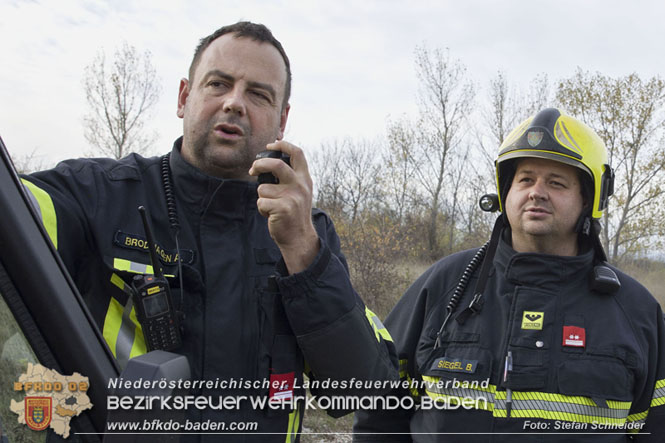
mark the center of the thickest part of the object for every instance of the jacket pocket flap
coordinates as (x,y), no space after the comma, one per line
(609,380)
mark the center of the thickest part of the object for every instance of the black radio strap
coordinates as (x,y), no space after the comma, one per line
(477,302)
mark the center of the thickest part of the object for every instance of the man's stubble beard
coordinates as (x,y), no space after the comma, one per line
(220,158)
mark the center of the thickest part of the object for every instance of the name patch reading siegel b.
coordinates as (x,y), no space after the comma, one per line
(455,365)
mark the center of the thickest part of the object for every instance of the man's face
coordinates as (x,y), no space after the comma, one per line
(543,205)
(233,106)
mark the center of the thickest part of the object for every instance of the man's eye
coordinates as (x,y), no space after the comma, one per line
(260,95)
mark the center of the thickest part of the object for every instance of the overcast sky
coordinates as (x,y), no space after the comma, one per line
(352,61)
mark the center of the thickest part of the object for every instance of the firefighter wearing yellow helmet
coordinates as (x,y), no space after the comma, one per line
(518,337)
(553,135)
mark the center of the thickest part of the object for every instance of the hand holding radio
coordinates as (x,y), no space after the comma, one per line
(268,177)
(287,203)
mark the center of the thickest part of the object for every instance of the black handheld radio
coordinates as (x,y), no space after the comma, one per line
(153,302)
(267,177)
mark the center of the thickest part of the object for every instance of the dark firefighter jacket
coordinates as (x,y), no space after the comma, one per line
(582,361)
(234,325)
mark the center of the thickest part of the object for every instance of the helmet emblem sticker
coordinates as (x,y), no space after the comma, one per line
(534,138)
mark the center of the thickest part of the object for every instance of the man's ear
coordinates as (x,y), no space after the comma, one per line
(284,116)
(183,93)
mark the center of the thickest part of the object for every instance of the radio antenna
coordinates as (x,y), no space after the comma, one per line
(157,268)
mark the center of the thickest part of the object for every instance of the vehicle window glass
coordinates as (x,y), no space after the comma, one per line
(15,354)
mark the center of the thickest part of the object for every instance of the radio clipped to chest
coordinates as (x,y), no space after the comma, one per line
(153,302)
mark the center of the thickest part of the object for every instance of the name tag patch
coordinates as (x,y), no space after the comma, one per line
(139,243)
(533,320)
(455,365)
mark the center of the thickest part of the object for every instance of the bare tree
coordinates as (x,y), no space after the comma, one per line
(502,114)
(399,168)
(446,99)
(28,163)
(329,176)
(538,96)
(346,173)
(629,115)
(120,97)
(508,106)
(360,187)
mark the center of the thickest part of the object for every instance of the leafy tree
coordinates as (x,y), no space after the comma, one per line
(629,115)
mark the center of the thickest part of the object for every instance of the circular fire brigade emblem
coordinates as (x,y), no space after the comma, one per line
(38,412)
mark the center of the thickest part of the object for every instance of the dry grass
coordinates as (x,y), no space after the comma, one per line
(319,427)
(652,275)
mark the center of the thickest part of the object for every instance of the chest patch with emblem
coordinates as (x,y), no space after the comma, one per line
(574,336)
(533,320)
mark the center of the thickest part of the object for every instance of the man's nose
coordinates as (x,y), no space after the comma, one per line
(234,102)
(538,191)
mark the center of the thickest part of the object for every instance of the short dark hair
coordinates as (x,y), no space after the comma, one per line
(256,32)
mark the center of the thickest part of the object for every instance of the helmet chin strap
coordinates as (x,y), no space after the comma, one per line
(597,245)
(583,225)
(588,229)
(603,279)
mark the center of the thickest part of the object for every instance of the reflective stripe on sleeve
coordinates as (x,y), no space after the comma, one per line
(377,325)
(44,204)
(403,368)
(658,398)
(637,421)
(404,375)
(294,423)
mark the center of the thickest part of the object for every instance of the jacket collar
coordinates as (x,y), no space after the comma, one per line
(202,193)
(541,270)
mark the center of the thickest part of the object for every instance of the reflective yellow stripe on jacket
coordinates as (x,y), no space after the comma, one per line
(562,407)
(377,325)
(404,375)
(452,393)
(43,203)
(122,330)
(658,397)
(541,405)
(294,424)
